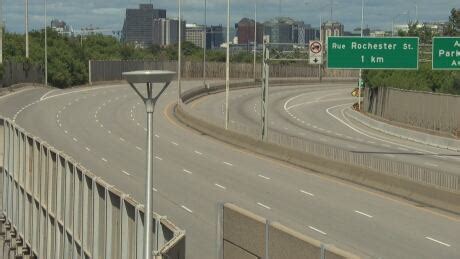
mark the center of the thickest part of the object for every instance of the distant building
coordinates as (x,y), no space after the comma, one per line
(438,28)
(166,31)
(138,25)
(280,30)
(61,27)
(331,28)
(245,31)
(357,32)
(214,37)
(195,34)
(311,33)
(378,33)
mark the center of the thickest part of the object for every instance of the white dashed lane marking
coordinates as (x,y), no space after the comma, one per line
(159,158)
(264,206)
(138,148)
(317,230)
(103,159)
(87,149)
(363,214)
(264,177)
(220,186)
(198,152)
(227,163)
(187,209)
(187,171)
(437,241)
(174,143)
(126,173)
(307,193)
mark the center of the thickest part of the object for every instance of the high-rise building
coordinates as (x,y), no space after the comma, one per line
(311,33)
(331,28)
(214,37)
(195,34)
(166,31)
(280,30)
(138,25)
(245,31)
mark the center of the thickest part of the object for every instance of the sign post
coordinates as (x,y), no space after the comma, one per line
(373,53)
(316,53)
(446,53)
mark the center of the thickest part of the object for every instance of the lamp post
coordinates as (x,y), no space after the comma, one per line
(26,21)
(46,44)
(393,24)
(360,83)
(179,55)
(255,39)
(205,41)
(227,70)
(149,77)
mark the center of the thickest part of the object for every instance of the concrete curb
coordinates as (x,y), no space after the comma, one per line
(412,135)
(414,191)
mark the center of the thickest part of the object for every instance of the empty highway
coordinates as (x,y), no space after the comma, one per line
(104,129)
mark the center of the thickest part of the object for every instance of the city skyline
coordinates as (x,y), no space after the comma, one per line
(378,15)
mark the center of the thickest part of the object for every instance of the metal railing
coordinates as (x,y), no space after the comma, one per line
(438,178)
(52,207)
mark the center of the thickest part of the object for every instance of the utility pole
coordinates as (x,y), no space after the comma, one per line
(280,8)
(26,14)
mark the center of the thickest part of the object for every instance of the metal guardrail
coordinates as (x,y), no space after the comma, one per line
(52,207)
(436,178)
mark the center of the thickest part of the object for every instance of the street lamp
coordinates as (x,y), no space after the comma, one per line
(393,24)
(227,70)
(360,83)
(149,77)
(255,38)
(205,42)
(26,21)
(179,55)
(46,44)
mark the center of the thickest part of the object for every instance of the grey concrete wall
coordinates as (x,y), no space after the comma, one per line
(423,110)
(399,186)
(244,237)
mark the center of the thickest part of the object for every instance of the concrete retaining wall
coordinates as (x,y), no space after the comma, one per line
(423,110)
(403,187)
(400,132)
(244,236)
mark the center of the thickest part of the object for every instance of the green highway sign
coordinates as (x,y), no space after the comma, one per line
(446,53)
(372,53)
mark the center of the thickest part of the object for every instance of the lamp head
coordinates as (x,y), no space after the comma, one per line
(149,76)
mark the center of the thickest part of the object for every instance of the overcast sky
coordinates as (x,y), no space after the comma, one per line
(109,14)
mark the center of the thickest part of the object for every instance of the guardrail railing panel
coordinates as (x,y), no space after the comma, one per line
(58,209)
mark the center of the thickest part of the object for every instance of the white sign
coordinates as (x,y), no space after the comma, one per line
(316,53)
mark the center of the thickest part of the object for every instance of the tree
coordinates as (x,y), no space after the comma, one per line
(453,26)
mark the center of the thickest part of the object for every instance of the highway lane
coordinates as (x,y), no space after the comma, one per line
(316,113)
(104,130)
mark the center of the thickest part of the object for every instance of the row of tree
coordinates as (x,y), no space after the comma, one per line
(68,56)
(424,79)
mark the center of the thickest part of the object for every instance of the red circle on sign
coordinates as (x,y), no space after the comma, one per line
(315,47)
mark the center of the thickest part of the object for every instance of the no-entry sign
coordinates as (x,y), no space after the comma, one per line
(316,53)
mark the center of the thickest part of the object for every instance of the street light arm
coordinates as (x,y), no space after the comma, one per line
(137,91)
(162,91)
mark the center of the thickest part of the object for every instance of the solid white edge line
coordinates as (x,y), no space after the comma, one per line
(264,206)
(364,214)
(307,193)
(187,209)
(317,230)
(437,241)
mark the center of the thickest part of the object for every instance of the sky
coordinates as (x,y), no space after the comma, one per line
(109,14)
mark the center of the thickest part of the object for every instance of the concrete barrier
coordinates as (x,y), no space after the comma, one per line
(403,133)
(427,195)
(244,236)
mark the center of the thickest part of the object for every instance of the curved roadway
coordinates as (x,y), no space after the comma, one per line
(104,129)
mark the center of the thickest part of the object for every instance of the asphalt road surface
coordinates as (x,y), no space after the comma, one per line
(104,129)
